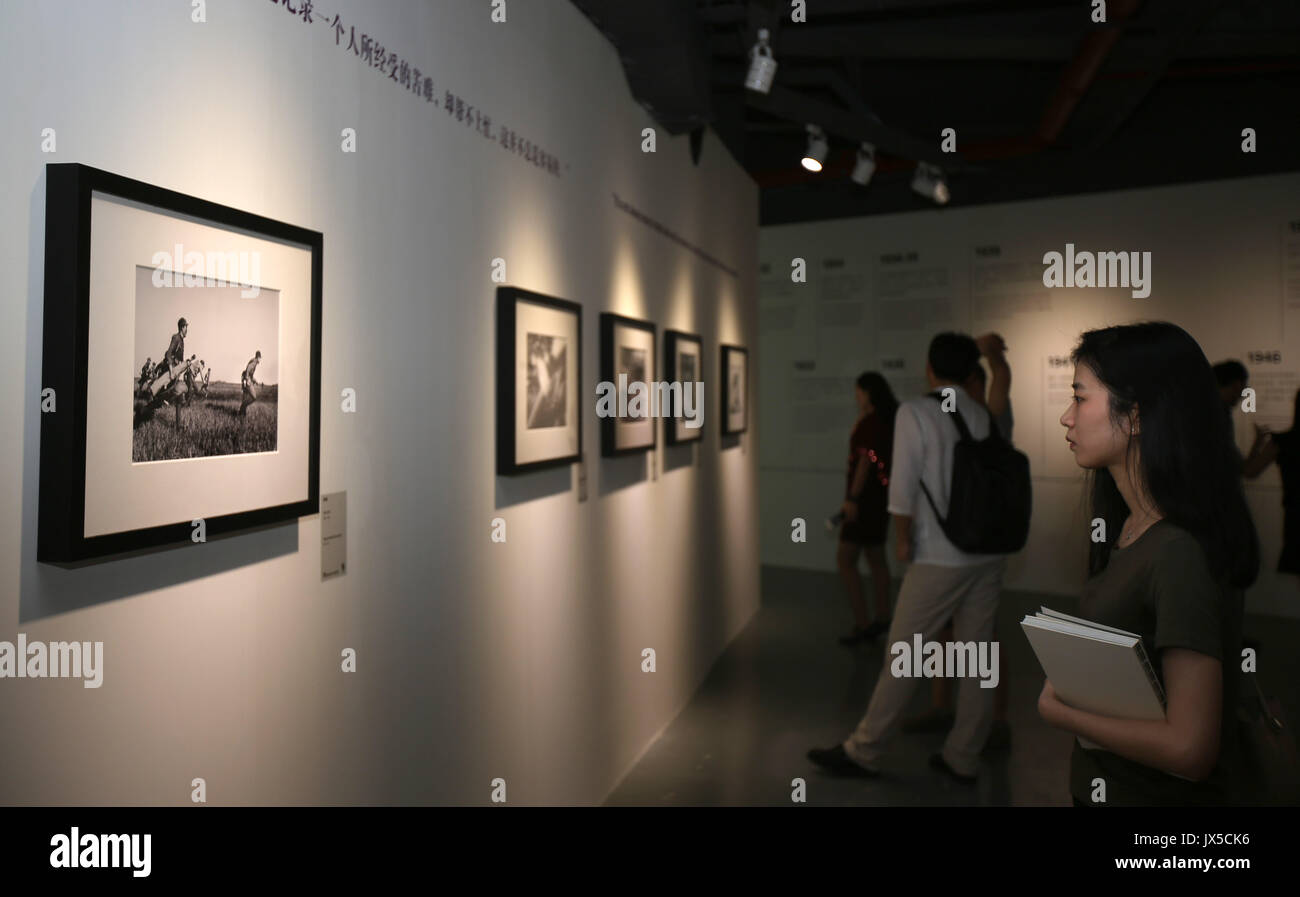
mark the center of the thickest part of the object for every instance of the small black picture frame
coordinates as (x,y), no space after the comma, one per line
(734,366)
(617,436)
(526,448)
(675,432)
(71,297)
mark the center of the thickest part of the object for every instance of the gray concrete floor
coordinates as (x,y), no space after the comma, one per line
(786,685)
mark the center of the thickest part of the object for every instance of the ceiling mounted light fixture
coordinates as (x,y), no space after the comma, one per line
(815,157)
(762,67)
(865,166)
(929,182)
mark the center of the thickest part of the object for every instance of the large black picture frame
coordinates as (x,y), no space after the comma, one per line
(61,527)
(609,321)
(508,299)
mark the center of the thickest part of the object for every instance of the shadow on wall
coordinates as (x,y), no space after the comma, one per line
(676,456)
(622,472)
(48,590)
(526,487)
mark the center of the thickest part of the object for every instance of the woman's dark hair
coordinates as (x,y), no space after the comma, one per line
(882,397)
(1189,465)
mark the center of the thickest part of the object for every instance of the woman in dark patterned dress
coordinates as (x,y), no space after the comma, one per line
(866,499)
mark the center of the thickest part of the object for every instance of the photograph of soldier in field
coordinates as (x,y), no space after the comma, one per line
(186,406)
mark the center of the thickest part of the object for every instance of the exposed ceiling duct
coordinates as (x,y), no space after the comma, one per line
(1013,99)
(666,53)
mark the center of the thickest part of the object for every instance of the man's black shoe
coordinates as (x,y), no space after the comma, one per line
(858,634)
(837,762)
(877,627)
(937,762)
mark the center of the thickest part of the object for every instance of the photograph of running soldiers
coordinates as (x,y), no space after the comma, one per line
(206,397)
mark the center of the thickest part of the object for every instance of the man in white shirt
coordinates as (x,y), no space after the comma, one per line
(942,583)
(996,397)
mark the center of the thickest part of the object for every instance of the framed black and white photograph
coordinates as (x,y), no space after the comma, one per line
(212,315)
(735,390)
(539,379)
(684,364)
(627,356)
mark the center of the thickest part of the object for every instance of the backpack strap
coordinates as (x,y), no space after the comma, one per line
(964,432)
(962,429)
(943,522)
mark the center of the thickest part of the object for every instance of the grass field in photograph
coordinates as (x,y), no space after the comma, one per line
(209,426)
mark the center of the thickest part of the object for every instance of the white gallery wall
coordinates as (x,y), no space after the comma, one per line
(475,660)
(1224,265)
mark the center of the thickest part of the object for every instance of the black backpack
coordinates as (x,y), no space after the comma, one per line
(991,498)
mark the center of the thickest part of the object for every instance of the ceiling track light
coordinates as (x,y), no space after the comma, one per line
(865,166)
(929,182)
(815,156)
(762,67)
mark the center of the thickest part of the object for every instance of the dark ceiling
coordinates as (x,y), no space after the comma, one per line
(1044,102)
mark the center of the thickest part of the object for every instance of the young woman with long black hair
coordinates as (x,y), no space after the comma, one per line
(1180,548)
(866,499)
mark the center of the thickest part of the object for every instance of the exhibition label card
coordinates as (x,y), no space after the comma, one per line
(333,534)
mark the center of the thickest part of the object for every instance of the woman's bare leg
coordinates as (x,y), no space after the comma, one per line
(847,557)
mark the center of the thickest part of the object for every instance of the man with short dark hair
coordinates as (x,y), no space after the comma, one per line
(996,397)
(1232,377)
(942,583)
